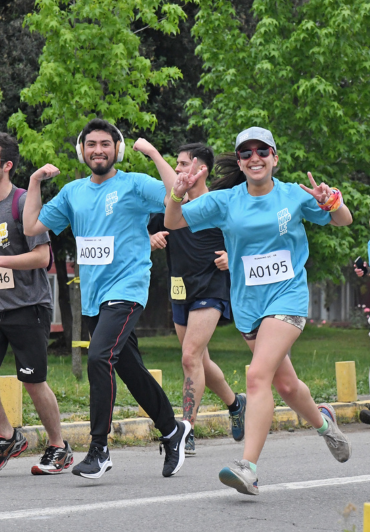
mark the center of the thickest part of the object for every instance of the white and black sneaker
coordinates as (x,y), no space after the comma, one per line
(54,460)
(175,448)
(95,464)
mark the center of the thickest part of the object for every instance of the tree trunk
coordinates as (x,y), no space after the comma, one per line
(76,328)
(76,312)
(64,297)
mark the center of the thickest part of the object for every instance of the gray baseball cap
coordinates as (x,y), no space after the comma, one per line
(255,133)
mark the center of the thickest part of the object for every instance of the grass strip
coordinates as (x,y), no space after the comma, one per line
(313,356)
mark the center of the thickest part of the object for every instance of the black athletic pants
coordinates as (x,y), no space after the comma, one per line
(114,347)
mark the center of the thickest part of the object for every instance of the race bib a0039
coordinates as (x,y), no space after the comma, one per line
(97,250)
(268,268)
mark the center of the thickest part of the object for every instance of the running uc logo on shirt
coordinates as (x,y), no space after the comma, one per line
(284,217)
(109,200)
(3,232)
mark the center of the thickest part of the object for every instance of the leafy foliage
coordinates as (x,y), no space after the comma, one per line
(90,66)
(304,73)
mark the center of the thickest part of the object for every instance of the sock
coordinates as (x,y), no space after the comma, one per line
(105,448)
(253,467)
(171,434)
(324,426)
(235,406)
(10,439)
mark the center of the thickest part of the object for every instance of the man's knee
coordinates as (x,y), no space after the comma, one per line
(34,388)
(191,358)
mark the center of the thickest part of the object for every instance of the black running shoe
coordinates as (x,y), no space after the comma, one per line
(365,414)
(12,448)
(175,448)
(96,463)
(55,459)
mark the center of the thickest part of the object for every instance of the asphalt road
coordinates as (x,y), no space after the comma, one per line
(302,488)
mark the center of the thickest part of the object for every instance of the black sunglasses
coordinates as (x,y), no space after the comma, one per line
(261,152)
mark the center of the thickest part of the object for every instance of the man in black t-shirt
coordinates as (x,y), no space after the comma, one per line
(199,286)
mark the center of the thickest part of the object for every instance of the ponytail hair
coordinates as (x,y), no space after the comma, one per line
(227,171)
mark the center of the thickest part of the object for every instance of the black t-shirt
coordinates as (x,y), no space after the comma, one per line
(190,257)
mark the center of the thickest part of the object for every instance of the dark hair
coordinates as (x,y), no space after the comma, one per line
(9,151)
(228,173)
(97,124)
(199,150)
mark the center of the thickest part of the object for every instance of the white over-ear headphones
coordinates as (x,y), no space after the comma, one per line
(120,148)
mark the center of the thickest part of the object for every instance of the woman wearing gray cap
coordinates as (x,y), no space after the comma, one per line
(261,220)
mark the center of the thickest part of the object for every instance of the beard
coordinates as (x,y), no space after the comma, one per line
(101,168)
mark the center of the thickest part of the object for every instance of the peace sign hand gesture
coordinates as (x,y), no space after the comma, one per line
(321,192)
(185,181)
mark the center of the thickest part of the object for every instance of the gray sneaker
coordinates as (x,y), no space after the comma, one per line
(190,446)
(338,444)
(241,477)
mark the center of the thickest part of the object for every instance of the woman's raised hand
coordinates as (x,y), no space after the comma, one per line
(321,192)
(185,180)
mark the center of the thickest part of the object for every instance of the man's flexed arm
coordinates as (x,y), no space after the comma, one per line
(167,173)
(31,224)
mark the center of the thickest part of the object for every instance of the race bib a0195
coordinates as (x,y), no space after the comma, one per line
(268,268)
(97,250)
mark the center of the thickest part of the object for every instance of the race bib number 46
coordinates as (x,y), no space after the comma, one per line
(6,279)
(97,250)
(268,268)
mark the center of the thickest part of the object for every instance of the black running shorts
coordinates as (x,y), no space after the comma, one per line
(27,330)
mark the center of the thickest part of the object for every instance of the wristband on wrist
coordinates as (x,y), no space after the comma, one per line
(334,202)
(176,198)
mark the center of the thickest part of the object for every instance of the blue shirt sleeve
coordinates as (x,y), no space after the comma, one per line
(55,213)
(310,210)
(151,191)
(207,211)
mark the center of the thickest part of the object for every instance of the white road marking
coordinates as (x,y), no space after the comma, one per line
(221,493)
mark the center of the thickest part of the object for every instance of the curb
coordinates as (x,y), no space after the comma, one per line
(78,433)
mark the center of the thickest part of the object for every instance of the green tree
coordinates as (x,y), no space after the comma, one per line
(19,68)
(303,72)
(91,66)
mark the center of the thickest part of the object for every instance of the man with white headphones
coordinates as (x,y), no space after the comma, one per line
(109,212)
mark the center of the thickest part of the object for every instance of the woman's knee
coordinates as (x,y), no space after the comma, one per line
(257,379)
(286,387)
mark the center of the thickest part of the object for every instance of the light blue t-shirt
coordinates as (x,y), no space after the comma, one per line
(119,207)
(258,225)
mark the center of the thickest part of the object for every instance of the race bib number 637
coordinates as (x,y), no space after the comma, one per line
(98,250)
(268,268)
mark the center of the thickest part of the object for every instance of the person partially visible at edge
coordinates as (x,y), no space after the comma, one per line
(25,318)
(364,272)
(199,291)
(109,213)
(262,222)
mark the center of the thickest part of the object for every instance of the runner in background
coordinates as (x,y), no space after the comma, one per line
(109,213)
(199,291)
(262,223)
(25,318)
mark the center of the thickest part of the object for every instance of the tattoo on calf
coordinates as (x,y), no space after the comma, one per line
(188,400)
